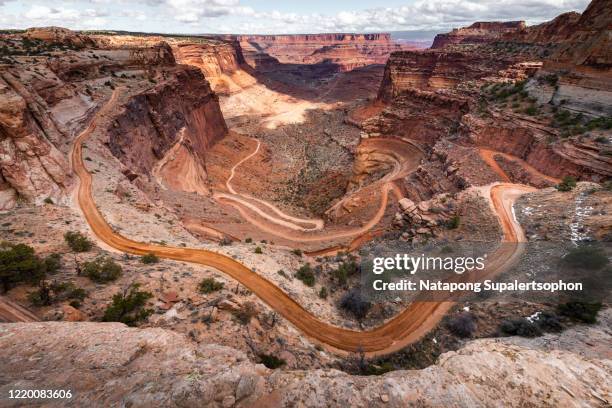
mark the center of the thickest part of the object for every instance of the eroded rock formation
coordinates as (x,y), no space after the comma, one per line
(478,32)
(46,100)
(221,62)
(346,51)
(153,121)
(563,64)
(116,365)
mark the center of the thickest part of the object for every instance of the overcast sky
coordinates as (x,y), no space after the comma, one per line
(272,16)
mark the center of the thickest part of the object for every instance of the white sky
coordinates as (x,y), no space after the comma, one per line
(258,16)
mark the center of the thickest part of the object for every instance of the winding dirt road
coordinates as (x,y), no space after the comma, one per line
(249,207)
(400,331)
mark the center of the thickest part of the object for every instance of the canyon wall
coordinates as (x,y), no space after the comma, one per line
(423,90)
(46,100)
(221,62)
(347,51)
(30,164)
(433,70)
(153,121)
(479,32)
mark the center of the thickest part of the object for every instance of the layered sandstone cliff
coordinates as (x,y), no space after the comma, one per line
(569,72)
(346,51)
(50,89)
(182,109)
(479,32)
(221,62)
(434,70)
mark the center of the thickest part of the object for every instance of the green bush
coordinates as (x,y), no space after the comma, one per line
(149,259)
(48,200)
(354,303)
(128,307)
(271,361)
(56,292)
(19,263)
(306,275)
(580,311)
(258,250)
(209,285)
(520,327)
(531,110)
(102,269)
(454,222)
(462,325)
(548,321)
(77,241)
(297,252)
(346,269)
(586,257)
(323,293)
(248,240)
(567,184)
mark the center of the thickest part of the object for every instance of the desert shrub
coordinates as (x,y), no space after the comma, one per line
(56,292)
(48,200)
(548,321)
(19,263)
(246,312)
(282,273)
(258,250)
(271,361)
(580,311)
(52,263)
(586,257)
(128,307)
(77,241)
(378,369)
(149,259)
(454,222)
(297,252)
(345,269)
(531,110)
(567,184)
(210,285)
(551,79)
(462,325)
(323,293)
(306,275)
(248,240)
(102,269)
(520,327)
(354,303)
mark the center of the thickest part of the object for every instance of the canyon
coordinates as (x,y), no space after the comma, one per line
(258,162)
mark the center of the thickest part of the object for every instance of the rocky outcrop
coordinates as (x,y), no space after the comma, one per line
(479,32)
(112,364)
(434,69)
(346,51)
(59,35)
(153,121)
(221,62)
(30,164)
(419,115)
(528,141)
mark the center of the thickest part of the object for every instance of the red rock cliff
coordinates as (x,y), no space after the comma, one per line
(348,51)
(152,122)
(221,62)
(478,32)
